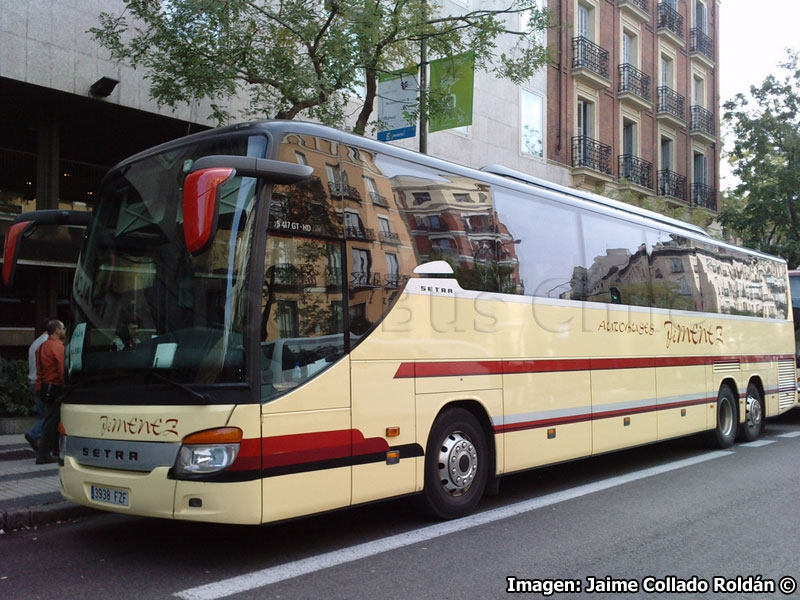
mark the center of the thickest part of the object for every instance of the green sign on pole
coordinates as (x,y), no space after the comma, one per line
(452,81)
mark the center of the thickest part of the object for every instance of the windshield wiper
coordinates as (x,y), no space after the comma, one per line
(204,398)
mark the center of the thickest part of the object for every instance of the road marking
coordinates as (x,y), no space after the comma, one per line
(757,444)
(791,434)
(270,575)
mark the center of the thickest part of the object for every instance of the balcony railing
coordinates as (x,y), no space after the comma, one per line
(671,102)
(633,80)
(592,154)
(636,170)
(640,4)
(670,19)
(702,120)
(378,199)
(365,279)
(289,274)
(395,280)
(702,43)
(359,233)
(389,237)
(341,189)
(705,196)
(671,184)
(588,55)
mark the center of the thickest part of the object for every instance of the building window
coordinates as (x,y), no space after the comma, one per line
(586,21)
(699,91)
(585,118)
(301,158)
(700,168)
(666,154)
(288,322)
(421,198)
(630,55)
(361,267)
(700,21)
(628,137)
(531,123)
(666,72)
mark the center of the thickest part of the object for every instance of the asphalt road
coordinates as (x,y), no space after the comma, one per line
(653,518)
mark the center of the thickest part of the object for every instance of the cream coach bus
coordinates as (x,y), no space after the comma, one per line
(326,321)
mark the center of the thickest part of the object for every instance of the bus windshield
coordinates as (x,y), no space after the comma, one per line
(144,306)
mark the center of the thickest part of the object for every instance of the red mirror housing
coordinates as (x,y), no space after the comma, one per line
(11,249)
(201,206)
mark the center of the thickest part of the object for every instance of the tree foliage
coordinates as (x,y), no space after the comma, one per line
(293,57)
(763,211)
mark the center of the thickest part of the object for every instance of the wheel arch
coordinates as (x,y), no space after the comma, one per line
(479,411)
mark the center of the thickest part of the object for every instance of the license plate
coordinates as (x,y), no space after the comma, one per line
(109,495)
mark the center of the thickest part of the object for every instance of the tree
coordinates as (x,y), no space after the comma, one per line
(763,210)
(293,57)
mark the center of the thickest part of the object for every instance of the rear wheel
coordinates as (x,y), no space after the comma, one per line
(456,465)
(727,419)
(753,424)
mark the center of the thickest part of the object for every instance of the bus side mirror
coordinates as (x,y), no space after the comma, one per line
(201,206)
(200,197)
(11,248)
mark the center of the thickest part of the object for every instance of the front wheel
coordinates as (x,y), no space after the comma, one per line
(727,419)
(753,424)
(456,465)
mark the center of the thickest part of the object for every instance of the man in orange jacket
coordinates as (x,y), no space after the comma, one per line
(49,384)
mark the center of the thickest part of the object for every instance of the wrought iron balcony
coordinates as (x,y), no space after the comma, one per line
(705,196)
(702,120)
(671,103)
(365,279)
(378,199)
(591,154)
(633,80)
(670,19)
(702,43)
(642,5)
(395,280)
(359,233)
(341,189)
(289,275)
(389,237)
(588,55)
(671,184)
(636,170)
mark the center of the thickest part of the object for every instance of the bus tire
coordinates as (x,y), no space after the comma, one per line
(753,425)
(456,465)
(724,433)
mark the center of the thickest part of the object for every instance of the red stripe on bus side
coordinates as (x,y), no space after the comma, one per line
(299,448)
(510,367)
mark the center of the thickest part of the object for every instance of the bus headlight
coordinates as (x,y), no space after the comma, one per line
(208,451)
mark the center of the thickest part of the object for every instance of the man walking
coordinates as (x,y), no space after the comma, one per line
(32,436)
(49,383)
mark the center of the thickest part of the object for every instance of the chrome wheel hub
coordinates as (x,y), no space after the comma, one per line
(753,412)
(458,463)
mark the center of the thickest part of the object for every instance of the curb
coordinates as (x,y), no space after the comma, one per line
(42,514)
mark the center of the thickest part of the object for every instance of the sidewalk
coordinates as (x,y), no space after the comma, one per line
(30,493)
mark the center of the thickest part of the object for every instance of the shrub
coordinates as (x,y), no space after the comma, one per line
(15,396)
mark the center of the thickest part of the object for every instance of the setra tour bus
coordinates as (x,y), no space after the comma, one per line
(326,320)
